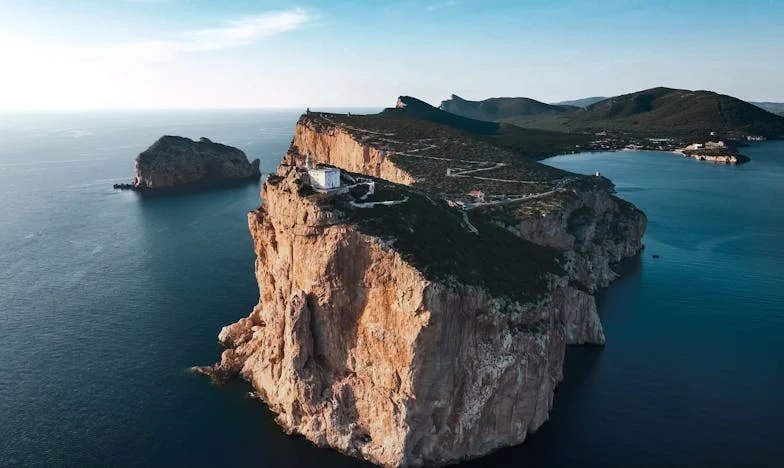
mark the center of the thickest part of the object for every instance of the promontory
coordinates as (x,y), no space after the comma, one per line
(418,287)
(174,162)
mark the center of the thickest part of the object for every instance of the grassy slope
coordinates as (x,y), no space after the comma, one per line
(660,112)
(498,109)
(451,143)
(533,143)
(665,111)
(432,237)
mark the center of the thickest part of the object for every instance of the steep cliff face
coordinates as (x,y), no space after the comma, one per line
(355,348)
(593,228)
(418,334)
(176,161)
(336,146)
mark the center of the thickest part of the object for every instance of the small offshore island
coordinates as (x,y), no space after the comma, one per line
(174,162)
(418,286)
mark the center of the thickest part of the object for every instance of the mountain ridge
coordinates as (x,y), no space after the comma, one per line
(654,112)
(530,142)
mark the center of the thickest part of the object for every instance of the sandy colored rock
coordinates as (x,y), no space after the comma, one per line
(357,347)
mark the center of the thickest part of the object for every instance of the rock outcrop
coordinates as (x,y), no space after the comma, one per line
(729,159)
(356,348)
(174,161)
(594,229)
(376,337)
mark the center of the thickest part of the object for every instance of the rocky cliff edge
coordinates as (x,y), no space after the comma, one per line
(419,333)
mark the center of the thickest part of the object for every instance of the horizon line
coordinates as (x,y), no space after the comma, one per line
(163,109)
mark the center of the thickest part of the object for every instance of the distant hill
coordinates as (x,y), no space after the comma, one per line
(584,102)
(496,109)
(414,107)
(656,112)
(533,143)
(773,107)
(667,112)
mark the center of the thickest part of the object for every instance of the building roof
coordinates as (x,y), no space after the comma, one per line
(324,169)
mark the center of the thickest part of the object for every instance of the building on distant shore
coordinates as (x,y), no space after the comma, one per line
(478,195)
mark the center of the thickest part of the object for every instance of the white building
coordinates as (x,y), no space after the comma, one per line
(326,178)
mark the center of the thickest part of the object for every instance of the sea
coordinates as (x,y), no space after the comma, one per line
(107,298)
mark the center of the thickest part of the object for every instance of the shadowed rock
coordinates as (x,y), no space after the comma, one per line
(178,162)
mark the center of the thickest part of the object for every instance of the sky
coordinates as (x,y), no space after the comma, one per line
(144,54)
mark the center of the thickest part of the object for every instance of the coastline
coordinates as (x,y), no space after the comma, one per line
(734,160)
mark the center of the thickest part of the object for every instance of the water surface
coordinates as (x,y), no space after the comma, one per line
(107,298)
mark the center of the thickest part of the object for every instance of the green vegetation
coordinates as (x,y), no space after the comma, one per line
(428,150)
(664,111)
(498,109)
(657,112)
(512,214)
(532,143)
(449,156)
(433,237)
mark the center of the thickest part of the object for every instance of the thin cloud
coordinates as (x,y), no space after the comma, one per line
(238,33)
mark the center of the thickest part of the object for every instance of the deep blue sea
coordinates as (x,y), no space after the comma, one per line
(107,298)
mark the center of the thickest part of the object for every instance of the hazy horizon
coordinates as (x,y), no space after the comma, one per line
(267,54)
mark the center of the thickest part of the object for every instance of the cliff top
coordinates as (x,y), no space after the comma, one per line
(449,162)
(442,242)
(170,144)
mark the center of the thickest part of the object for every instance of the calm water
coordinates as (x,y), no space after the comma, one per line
(106,299)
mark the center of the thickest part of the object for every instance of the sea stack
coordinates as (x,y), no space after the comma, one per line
(409,325)
(174,161)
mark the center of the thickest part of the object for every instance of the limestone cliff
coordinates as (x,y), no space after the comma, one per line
(330,144)
(355,347)
(419,333)
(594,229)
(177,161)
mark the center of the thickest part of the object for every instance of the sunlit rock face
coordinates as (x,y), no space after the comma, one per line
(358,346)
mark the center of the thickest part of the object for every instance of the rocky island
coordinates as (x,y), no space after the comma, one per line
(177,162)
(713,151)
(416,308)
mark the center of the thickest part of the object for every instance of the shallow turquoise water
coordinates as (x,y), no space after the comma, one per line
(107,298)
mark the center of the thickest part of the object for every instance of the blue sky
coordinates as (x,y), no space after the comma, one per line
(208,54)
